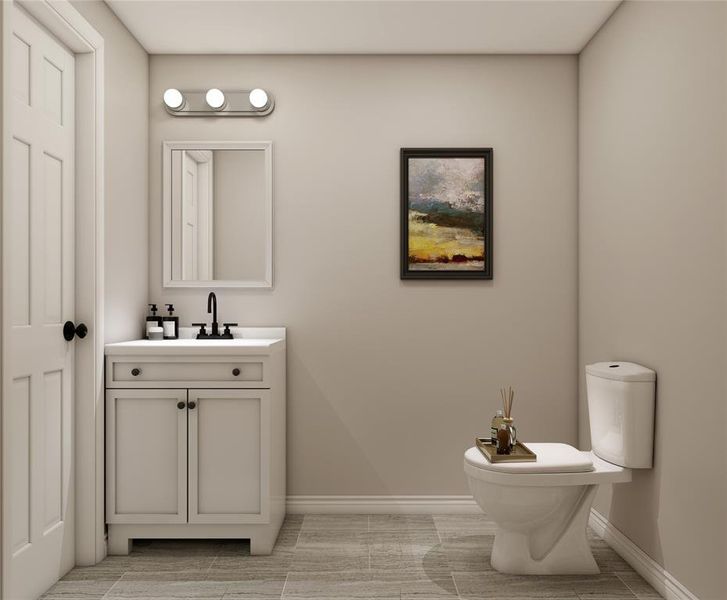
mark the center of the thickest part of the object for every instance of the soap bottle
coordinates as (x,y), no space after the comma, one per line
(170,323)
(497,420)
(152,320)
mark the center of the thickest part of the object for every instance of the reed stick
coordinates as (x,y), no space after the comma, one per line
(508,397)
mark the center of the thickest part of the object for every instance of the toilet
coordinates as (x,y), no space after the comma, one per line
(541,508)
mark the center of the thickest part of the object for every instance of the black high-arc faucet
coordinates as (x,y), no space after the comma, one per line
(215,333)
(212,308)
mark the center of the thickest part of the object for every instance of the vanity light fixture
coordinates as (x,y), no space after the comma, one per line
(214,102)
(215,98)
(174,99)
(258,98)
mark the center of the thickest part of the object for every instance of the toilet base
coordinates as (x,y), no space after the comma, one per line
(541,517)
(516,552)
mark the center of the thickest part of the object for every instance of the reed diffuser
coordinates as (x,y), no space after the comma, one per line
(507,436)
(508,396)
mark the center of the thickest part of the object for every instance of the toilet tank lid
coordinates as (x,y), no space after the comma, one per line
(621,371)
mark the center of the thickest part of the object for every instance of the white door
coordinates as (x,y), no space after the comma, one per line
(229,452)
(205,238)
(190,233)
(146,456)
(38,294)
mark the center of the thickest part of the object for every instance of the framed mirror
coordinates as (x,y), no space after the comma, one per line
(217,214)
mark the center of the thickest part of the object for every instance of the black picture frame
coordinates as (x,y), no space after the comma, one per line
(442,273)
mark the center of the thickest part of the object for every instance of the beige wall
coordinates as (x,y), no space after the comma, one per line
(126,81)
(389,381)
(652,271)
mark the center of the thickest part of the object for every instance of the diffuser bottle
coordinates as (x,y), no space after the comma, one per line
(512,430)
(503,440)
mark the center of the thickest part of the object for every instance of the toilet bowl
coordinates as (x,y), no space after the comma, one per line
(541,508)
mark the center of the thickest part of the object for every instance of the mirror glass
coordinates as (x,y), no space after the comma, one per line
(218,216)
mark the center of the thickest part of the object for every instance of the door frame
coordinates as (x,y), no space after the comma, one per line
(70,27)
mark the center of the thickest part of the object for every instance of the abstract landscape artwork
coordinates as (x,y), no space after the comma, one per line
(446,213)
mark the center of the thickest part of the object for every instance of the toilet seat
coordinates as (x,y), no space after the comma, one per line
(557,464)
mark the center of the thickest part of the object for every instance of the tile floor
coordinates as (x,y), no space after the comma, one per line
(406,557)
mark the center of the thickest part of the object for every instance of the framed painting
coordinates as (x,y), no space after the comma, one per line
(446,213)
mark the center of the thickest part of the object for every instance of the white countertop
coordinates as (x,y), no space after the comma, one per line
(247,341)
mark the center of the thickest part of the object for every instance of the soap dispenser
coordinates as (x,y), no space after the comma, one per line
(170,323)
(152,320)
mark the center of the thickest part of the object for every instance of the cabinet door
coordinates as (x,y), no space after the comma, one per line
(146,456)
(229,454)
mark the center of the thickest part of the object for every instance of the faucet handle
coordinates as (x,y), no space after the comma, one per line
(227,327)
(202,330)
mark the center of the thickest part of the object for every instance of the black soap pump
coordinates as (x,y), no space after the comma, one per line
(170,323)
(152,320)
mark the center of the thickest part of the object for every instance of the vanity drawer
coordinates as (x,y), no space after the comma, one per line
(224,371)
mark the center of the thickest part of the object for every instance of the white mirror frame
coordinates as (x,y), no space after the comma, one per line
(167,148)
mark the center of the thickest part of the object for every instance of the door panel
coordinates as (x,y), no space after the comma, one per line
(52,90)
(17,213)
(19,468)
(53,453)
(38,296)
(146,456)
(20,69)
(228,447)
(52,239)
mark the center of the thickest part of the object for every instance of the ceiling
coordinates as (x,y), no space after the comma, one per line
(363,26)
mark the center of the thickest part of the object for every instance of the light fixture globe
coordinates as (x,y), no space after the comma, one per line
(215,98)
(173,98)
(258,98)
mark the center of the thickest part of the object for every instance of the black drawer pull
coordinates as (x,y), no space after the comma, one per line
(136,372)
(180,405)
(192,405)
(235,372)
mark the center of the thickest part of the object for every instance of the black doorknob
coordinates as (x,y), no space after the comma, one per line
(180,405)
(135,372)
(235,372)
(192,404)
(70,330)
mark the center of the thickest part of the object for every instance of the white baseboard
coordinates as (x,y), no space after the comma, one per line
(382,504)
(659,578)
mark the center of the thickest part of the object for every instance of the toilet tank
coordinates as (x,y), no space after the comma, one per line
(621,399)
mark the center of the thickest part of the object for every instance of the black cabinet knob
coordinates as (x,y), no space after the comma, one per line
(180,405)
(136,372)
(70,330)
(235,372)
(192,405)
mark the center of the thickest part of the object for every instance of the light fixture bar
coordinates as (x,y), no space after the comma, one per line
(238,103)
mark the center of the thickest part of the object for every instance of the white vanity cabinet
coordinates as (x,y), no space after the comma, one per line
(195,440)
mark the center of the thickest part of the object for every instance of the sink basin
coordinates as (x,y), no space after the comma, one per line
(246,341)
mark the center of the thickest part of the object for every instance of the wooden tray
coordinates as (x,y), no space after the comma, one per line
(520,452)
